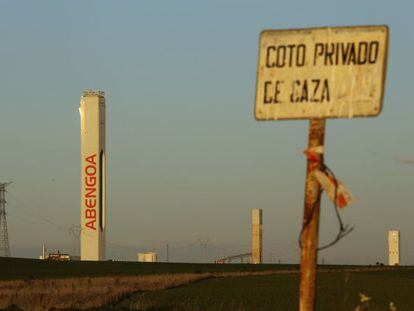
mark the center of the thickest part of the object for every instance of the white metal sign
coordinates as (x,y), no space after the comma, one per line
(333,72)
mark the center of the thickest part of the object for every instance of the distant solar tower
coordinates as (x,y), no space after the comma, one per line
(257,236)
(394,247)
(93,168)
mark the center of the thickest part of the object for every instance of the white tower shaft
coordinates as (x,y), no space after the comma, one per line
(93,183)
(257,236)
(394,247)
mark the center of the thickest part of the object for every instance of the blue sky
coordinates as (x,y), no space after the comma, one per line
(185,155)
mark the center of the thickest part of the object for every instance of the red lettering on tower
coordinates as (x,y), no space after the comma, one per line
(90,191)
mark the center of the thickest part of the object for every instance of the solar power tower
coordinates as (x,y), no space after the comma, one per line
(257,236)
(394,248)
(93,175)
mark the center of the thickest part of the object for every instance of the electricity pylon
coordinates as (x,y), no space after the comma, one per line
(4,237)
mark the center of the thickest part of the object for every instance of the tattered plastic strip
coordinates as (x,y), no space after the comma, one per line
(313,153)
(334,189)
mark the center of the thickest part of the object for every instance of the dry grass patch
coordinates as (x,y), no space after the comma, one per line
(84,293)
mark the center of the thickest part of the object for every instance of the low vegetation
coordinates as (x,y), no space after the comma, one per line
(42,285)
(84,293)
(19,268)
(356,290)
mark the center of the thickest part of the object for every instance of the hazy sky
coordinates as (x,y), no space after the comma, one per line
(185,156)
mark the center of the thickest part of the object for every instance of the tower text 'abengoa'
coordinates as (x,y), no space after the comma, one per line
(93,185)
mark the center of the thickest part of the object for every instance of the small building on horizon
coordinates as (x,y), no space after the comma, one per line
(147,257)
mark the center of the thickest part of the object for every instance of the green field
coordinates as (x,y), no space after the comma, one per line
(19,268)
(336,291)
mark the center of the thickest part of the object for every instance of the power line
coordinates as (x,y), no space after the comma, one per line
(13,216)
(24,207)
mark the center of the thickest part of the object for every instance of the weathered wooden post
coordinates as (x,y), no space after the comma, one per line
(310,225)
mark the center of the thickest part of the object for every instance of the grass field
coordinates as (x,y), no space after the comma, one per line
(336,291)
(40,285)
(19,268)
